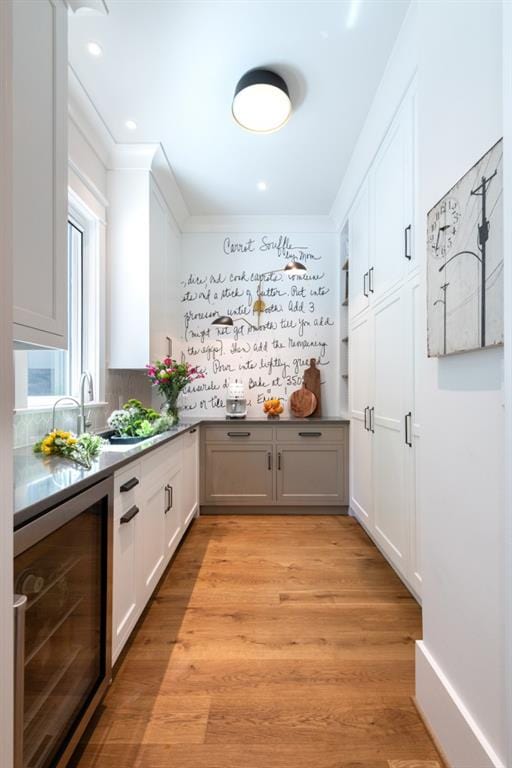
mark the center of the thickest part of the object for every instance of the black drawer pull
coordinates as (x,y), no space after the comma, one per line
(310,434)
(129,484)
(407,244)
(129,515)
(239,434)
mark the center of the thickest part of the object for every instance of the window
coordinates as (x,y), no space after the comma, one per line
(42,375)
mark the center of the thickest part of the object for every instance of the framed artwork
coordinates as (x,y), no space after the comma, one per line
(465,261)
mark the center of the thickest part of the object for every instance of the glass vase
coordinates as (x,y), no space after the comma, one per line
(170,409)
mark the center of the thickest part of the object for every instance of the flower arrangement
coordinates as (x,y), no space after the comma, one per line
(134,420)
(81,449)
(170,377)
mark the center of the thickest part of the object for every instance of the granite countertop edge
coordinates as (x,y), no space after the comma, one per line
(40,484)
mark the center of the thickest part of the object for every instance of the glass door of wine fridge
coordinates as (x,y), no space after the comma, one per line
(62,582)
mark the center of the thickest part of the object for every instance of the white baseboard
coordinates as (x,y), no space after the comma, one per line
(452,726)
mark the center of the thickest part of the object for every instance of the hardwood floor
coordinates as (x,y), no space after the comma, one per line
(272,642)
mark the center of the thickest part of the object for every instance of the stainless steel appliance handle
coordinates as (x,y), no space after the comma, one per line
(20,604)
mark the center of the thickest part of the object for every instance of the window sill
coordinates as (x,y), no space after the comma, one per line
(65,406)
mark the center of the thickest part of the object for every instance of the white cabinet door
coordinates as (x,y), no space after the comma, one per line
(388,425)
(190,481)
(40,185)
(392,186)
(152,542)
(126,535)
(360,401)
(415,346)
(359,243)
(173,510)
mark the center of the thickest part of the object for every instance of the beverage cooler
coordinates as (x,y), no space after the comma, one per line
(62,578)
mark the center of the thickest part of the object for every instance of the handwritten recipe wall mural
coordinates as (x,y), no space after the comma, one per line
(221,274)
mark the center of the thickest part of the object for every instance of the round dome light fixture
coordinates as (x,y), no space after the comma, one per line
(261,102)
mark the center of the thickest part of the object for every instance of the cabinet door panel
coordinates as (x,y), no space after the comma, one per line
(238,474)
(359,243)
(391,525)
(392,204)
(173,511)
(151,545)
(40,181)
(307,475)
(190,484)
(361,473)
(124,606)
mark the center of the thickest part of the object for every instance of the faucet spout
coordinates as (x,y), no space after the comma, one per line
(85,378)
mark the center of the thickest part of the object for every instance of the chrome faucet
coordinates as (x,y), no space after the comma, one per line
(73,400)
(85,378)
(82,423)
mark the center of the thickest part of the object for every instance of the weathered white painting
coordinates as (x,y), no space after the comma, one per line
(465,261)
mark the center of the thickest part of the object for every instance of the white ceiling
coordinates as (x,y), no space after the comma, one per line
(172,68)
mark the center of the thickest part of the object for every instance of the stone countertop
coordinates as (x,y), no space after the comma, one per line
(41,483)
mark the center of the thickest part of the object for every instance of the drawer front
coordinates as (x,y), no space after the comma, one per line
(311,434)
(238,433)
(127,488)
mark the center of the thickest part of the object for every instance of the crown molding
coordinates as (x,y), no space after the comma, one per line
(257,224)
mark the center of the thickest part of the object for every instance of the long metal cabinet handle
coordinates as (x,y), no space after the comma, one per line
(129,515)
(365,289)
(408,418)
(269,460)
(370,280)
(407,242)
(279,460)
(129,485)
(170,498)
(366,412)
(20,605)
(239,434)
(310,434)
(372,419)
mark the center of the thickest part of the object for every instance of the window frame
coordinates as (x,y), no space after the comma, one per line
(81,218)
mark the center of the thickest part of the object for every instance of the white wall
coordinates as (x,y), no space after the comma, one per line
(303,324)
(461,411)
(6,393)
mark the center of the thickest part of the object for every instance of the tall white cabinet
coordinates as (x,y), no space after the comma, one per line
(144,248)
(383,350)
(40,110)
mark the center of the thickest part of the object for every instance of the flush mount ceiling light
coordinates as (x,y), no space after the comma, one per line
(262,186)
(131,125)
(261,102)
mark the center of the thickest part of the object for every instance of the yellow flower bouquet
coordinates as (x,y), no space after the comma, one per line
(80,449)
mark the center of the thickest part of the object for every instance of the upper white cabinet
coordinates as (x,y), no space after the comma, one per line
(144,265)
(359,239)
(381,218)
(40,182)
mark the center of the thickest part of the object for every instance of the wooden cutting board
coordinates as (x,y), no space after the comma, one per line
(312,382)
(302,402)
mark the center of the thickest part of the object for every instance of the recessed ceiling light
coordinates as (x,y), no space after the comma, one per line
(261,102)
(131,125)
(94,49)
(262,186)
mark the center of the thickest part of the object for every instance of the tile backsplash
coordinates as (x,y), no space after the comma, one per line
(120,386)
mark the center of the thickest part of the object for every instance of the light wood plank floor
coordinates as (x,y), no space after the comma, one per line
(272,642)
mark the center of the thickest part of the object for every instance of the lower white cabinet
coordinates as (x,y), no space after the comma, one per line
(384,376)
(155,499)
